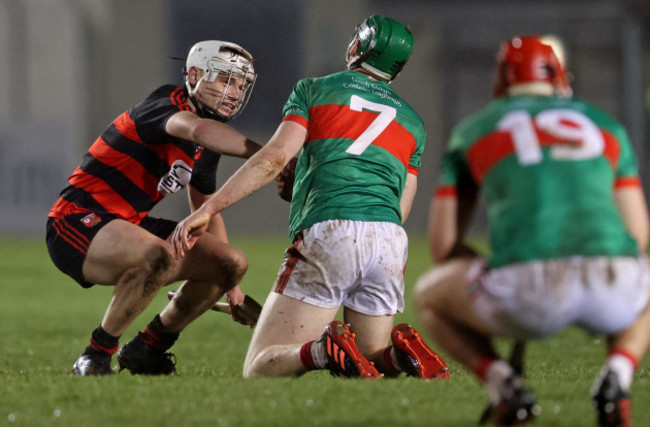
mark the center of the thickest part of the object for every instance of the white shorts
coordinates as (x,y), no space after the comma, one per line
(534,299)
(357,264)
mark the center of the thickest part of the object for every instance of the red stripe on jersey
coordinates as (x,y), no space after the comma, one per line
(627,181)
(446,191)
(298,119)
(495,146)
(612,149)
(106,196)
(62,207)
(179,99)
(134,171)
(339,121)
(197,154)
(412,169)
(170,153)
(126,126)
(487,152)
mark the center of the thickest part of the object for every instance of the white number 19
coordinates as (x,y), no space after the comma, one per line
(579,137)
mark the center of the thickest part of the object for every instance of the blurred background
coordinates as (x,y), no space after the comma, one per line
(69,67)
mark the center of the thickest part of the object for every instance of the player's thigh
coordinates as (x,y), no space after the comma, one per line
(120,246)
(449,289)
(285,320)
(372,332)
(209,259)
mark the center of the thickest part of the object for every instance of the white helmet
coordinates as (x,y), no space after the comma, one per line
(214,57)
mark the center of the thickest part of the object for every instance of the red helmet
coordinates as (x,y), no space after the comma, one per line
(528,59)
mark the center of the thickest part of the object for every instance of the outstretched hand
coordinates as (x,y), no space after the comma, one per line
(186,232)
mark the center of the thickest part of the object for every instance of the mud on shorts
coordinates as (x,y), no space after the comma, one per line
(69,237)
(357,264)
(534,299)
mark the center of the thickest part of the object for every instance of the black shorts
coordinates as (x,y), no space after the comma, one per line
(68,239)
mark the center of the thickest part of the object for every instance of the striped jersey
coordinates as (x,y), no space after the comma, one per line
(363,140)
(548,168)
(135,163)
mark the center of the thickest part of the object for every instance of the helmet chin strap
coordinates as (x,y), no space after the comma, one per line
(201,110)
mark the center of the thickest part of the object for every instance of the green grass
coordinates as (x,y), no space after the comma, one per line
(46,319)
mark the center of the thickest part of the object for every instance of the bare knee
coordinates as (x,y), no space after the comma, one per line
(231,267)
(275,361)
(252,367)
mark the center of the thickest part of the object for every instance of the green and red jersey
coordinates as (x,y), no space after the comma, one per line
(363,140)
(548,168)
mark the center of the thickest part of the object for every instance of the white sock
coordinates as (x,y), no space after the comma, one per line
(495,377)
(318,354)
(624,367)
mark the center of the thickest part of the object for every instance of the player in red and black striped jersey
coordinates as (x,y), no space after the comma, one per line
(99,231)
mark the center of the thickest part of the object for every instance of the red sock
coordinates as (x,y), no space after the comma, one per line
(388,362)
(305,356)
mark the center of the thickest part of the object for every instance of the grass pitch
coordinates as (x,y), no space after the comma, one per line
(46,320)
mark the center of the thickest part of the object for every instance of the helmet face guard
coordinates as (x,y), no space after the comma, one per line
(383,46)
(232,67)
(528,60)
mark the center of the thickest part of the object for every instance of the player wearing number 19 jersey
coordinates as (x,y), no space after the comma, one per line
(568,154)
(568,226)
(359,146)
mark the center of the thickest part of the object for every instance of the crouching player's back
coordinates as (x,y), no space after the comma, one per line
(568,226)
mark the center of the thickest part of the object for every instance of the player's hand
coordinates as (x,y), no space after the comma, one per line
(285,178)
(235,297)
(186,232)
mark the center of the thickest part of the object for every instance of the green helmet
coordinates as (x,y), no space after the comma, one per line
(384,46)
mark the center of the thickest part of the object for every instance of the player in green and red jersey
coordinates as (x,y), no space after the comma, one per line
(360,146)
(568,226)
(100,231)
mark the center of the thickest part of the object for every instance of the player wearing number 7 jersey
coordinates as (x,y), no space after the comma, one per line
(359,147)
(568,226)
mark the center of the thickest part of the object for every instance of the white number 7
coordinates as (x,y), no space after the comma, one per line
(381,122)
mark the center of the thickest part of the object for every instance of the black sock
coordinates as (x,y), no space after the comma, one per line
(158,336)
(102,342)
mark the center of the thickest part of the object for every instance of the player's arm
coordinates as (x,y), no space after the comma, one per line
(216,226)
(216,136)
(258,171)
(632,205)
(449,218)
(408,195)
